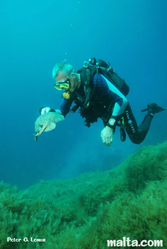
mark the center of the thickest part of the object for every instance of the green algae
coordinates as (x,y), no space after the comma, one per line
(84,212)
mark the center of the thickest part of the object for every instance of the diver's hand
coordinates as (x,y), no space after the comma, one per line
(45,110)
(107,135)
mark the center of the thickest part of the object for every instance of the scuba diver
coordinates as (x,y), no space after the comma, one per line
(98,92)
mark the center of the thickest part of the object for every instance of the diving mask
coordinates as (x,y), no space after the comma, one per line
(60,85)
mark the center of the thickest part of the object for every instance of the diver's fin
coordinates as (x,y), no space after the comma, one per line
(154,108)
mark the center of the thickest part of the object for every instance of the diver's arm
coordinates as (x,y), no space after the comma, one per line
(109,93)
(64,108)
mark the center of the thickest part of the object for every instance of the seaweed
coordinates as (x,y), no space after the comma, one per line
(85,212)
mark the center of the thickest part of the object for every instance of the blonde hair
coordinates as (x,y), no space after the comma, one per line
(62,66)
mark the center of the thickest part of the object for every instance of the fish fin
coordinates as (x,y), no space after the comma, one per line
(50,126)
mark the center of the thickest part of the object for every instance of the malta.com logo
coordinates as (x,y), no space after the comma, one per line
(126,242)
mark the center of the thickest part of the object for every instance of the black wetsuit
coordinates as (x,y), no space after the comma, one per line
(108,102)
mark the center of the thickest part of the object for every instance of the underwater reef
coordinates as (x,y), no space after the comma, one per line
(85,212)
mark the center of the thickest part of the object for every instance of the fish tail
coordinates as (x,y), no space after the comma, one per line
(35,137)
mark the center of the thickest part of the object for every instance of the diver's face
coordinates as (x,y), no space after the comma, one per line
(73,80)
(60,77)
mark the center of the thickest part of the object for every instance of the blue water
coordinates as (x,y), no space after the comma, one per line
(35,35)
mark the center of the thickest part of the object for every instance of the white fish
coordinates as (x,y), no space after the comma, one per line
(46,122)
